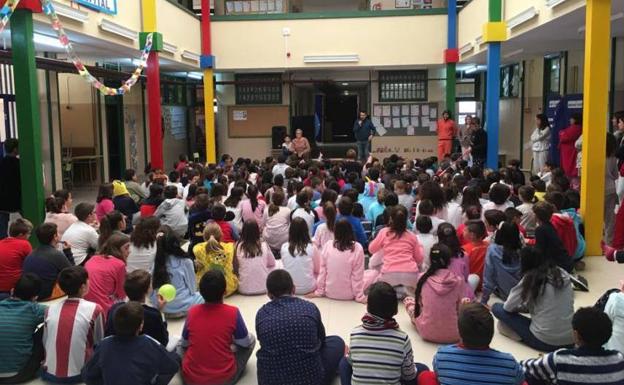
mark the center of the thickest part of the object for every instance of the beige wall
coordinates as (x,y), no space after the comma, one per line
(379,41)
(134,129)
(180,29)
(474,15)
(78,116)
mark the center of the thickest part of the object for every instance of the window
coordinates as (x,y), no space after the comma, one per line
(259,89)
(510,81)
(402,86)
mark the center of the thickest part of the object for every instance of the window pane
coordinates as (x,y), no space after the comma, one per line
(402,86)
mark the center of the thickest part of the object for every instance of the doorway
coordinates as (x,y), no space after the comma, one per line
(341,112)
(115,136)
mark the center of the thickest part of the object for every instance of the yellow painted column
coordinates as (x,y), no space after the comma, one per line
(211,153)
(148,13)
(595,111)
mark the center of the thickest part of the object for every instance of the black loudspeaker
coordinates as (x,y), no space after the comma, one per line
(277,135)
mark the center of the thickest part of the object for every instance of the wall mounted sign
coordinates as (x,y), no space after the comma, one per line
(105,6)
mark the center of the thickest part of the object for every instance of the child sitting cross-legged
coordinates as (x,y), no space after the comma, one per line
(72,328)
(587,363)
(217,253)
(254,260)
(368,361)
(219,353)
(129,358)
(138,288)
(433,309)
(472,361)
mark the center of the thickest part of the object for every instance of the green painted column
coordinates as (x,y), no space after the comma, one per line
(28,119)
(451,86)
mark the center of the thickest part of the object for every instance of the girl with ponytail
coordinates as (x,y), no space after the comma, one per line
(112,223)
(396,252)
(57,211)
(433,309)
(214,254)
(276,223)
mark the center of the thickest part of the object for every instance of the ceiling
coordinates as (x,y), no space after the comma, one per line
(561,34)
(96,50)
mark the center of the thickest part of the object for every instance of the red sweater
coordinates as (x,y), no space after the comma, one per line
(564,226)
(13,251)
(476,256)
(226,229)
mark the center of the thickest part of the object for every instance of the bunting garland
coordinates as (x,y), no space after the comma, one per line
(9,7)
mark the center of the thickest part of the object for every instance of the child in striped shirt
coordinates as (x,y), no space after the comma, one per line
(472,361)
(588,363)
(380,352)
(72,328)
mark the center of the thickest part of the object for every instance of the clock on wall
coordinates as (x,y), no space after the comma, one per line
(402,3)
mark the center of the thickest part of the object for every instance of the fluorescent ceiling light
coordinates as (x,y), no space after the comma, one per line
(554,3)
(70,13)
(513,53)
(195,75)
(466,48)
(119,30)
(331,58)
(345,84)
(522,17)
(170,48)
(472,69)
(617,16)
(47,40)
(190,55)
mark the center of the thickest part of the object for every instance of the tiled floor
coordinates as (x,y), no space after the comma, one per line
(340,317)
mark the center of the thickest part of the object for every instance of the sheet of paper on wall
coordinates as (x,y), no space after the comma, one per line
(229,6)
(271,6)
(386,111)
(433,113)
(246,6)
(263,6)
(279,6)
(377,111)
(381,131)
(405,109)
(415,110)
(239,114)
(433,126)
(424,110)
(405,121)
(396,111)
(396,122)
(416,121)
(238,6)
(411,130)
(254,6)
(387,122)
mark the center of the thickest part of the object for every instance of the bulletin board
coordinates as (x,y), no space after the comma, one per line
(406,119)
(255,121)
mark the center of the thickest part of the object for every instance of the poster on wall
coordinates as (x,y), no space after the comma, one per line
(174,118)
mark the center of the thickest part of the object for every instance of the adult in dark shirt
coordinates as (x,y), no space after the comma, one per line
(479,140)
(363,130)
(546,239)
(11,187)
(293,347)
(46,261)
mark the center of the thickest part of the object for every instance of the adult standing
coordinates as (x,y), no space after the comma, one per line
(447,131)
(618,127)
(301,145)
(364,130)
(465,135)
(540,142)
(479,140)
(567,148)
(11,186)
(293,347)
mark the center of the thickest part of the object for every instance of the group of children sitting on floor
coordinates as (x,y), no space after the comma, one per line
(442,238)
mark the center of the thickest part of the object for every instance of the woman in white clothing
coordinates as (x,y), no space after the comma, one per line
(540,142)
(143,245)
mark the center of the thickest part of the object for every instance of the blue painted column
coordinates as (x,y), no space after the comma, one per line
(492,109)
(451,56)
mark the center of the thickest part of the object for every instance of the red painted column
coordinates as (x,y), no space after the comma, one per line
(154,111)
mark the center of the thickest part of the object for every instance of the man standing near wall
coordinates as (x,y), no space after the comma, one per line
(10,185)
(447,131)
(364,131)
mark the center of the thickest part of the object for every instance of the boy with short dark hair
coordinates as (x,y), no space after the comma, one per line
(208,356)
(588,363)
(172,211)
(472,360)
(13,252)
(368,361)
(138,286)
(21,350)
(46,261)
(72,328)
(81,235)
(129,358)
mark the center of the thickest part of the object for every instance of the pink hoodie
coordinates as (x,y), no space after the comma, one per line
(342,273)
(253,272)
(400,255)
(440,297)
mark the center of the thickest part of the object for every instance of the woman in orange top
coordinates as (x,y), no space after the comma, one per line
(301,145)
(446,133)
